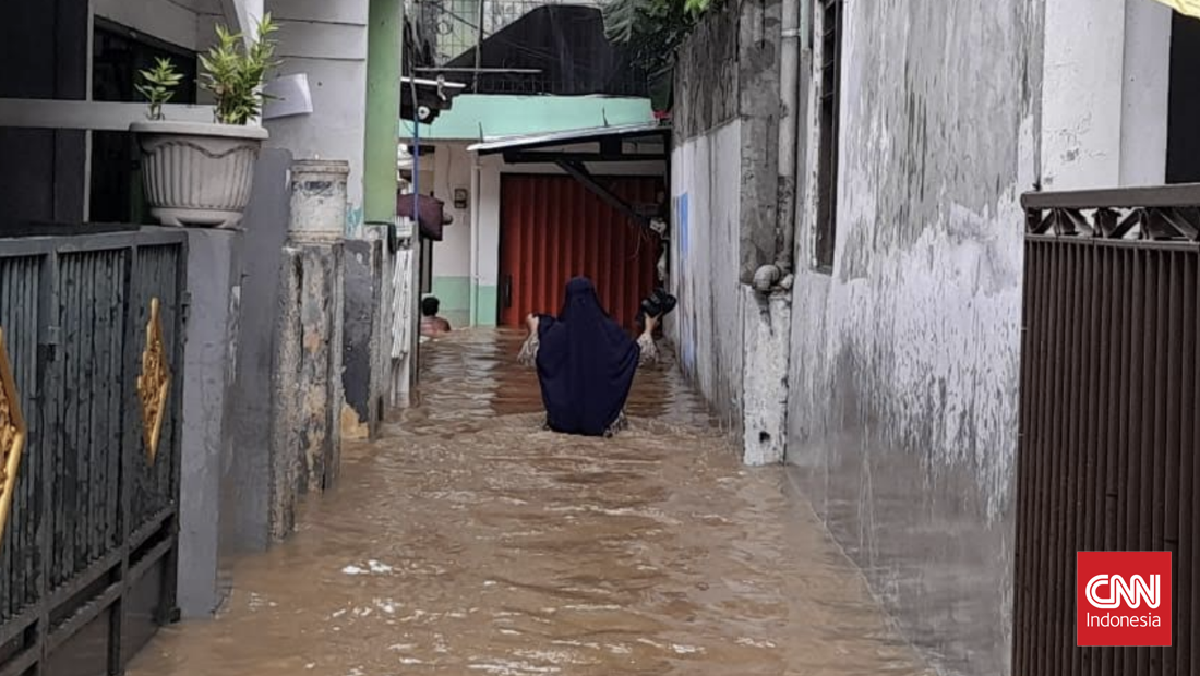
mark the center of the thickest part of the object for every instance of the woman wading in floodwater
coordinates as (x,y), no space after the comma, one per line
(586,362)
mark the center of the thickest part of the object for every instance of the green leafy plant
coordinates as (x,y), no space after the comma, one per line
(158,86)
(234,72)
(653,29)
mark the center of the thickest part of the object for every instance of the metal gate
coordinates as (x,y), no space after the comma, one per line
(1110,383)
(552,229)
(91,329)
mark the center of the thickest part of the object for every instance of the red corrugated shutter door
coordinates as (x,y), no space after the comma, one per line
(552,229)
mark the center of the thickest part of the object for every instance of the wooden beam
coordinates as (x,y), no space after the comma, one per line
(581,174)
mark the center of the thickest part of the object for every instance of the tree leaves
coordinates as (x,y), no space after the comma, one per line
(653,29)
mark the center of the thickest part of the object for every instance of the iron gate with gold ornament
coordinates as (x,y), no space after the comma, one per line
(91,351)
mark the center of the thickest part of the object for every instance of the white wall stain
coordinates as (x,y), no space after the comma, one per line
(904,363)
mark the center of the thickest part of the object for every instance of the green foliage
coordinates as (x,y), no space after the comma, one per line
(234,73)
(158,86)
(653,29)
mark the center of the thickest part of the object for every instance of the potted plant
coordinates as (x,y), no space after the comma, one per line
(198,173)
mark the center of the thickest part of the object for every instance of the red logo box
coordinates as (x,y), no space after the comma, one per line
(1123,599)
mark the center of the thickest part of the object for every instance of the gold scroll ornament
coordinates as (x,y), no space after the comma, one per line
(154,384)
(12,434)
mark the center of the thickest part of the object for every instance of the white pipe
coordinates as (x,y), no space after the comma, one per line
(474,225)
(789,85)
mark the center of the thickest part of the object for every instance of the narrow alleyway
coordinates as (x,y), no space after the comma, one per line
(467,541)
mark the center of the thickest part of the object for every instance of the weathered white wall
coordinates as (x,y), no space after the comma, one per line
(707,326)
(328,41)
(904,365)
(452,256)
(1106,73)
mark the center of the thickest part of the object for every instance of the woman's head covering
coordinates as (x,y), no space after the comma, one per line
(586,363)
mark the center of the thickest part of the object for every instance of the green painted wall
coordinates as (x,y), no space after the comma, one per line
(485,305)
(518,115)
(457,293)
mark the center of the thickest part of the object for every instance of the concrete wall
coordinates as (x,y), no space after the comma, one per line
(707,324)
(1104,117)
(452,256)
(904,365)
(328,41)
(724,185)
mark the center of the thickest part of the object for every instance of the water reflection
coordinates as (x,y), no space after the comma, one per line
(468,541)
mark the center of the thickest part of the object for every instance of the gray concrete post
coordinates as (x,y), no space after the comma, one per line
(364,287)
(210,357)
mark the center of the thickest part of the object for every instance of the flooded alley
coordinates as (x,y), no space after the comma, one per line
(469,541)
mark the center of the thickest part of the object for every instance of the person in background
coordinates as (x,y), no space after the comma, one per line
(585,363)
(432,326)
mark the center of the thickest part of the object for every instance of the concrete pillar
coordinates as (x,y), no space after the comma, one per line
(383,318)
(1144,93)
(210,358)
(768,336)
(266,230)
(309,349)
(365,278)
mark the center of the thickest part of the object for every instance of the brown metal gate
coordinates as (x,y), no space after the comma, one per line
(1110,383)
(552,229)
(88,551)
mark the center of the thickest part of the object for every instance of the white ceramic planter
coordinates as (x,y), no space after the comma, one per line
(198,174)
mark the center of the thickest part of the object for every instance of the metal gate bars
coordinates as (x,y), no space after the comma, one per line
(1110,383)
(92,330)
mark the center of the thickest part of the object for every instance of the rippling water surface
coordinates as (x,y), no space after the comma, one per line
(468,541)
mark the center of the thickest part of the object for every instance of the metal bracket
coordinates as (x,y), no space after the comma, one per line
(580,173)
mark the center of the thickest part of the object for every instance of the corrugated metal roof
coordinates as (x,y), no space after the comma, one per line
(567,137)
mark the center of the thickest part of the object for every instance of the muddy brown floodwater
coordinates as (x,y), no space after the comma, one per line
(468,541)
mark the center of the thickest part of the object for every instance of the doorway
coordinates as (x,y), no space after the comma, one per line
(552,229)
(1183,101)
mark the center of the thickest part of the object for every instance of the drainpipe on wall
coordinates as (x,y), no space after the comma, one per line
(789,86)
(473,223)
(770,276)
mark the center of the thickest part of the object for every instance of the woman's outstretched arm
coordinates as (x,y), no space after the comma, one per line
(528,354)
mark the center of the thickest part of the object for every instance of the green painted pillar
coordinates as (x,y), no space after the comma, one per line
(385,41)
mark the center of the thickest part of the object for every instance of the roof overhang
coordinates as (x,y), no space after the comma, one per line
(611,140)
(432,97)
(609,137)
